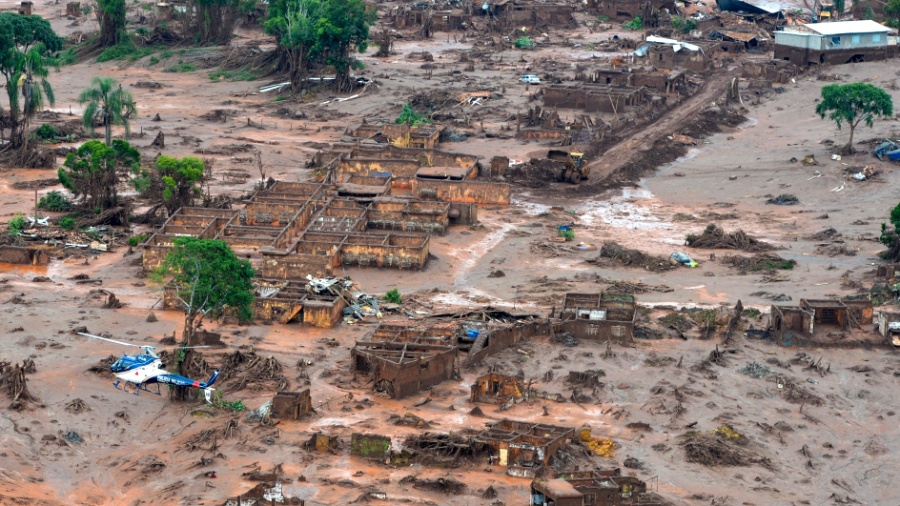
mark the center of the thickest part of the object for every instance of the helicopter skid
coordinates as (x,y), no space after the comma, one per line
(138,387)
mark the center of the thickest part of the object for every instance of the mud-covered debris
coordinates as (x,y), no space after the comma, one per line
(489,493)
(151,318)
(449,486)
(756,263)
(72,437)
(714,237)
(77,406)
(785,199)
(722,447)
(497,274)
(755,370)
(633,463)
(633,258)
(641,426)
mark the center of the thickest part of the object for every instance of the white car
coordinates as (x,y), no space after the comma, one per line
(530,79)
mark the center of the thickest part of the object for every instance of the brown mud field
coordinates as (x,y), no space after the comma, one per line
(705,408)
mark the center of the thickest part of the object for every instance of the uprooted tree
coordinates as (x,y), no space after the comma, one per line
(208,280)
(321,32)
(854,104)
(92,172)
(25,42)
(108,104)
(173,182)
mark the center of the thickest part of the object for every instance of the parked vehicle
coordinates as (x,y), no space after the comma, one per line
(530,79)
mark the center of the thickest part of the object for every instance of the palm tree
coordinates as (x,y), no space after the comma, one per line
(109,104)
(29,89)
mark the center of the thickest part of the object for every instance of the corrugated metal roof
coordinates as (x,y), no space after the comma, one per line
(842,27)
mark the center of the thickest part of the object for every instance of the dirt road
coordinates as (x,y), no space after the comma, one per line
(644,138)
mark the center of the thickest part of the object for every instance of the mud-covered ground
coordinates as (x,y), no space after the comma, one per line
(821,438)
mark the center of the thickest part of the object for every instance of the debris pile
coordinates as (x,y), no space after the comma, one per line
(756,263)
(247,369)
(12,379)
(633,258)
(723,446)
(785,199)
(714,237)
(450,486)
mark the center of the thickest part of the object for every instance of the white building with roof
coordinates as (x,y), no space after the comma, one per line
(835,43)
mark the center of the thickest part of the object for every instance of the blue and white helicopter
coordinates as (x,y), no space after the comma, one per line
(147,368)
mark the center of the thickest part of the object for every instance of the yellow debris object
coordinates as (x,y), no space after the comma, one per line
(602,447)
(584,435)
(729,432)
(21,81)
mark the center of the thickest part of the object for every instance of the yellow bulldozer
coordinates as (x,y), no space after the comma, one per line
(574,170)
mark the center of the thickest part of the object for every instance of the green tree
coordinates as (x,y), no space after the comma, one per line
(892,13)
(108,104)
(293,24)
(214,20)
(853,104)
(344,28)
(326,32)
(174,182)
(25,43)
(92,172)
(409,115)
(111,17)
(209,280)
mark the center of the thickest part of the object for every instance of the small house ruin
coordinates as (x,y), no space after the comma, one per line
(291,405)
(593,488)
(403,361)
(828,322)
(496,388)
(605,316)
(525,447)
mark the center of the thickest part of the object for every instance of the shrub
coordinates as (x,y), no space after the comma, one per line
(67,222)
(635,24)
(524,43)
(137,239)
(153,61)
(685,25)
(46,132)
(55,202)
(567,234)
(409,115)
(393,296)
(16,225)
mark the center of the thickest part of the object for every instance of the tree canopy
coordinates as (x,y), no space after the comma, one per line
(109,104)
(173,182)
(324,32)
(92,172)
(892,13)
(854,104)
(209,280)
(25,42)
(111,17)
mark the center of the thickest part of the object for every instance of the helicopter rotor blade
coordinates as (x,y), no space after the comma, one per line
(114,341)
(190,347)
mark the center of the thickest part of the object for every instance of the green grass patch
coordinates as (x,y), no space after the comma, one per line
(67,222)
(241,74)
(182,67)
(124,51)
(137,239)
(67,57)
(153,61)
(773,264)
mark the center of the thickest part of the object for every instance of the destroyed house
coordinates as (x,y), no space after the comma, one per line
(524,447)
(594,97)
(402,361)
(291,405)
(605,316)
(626,10)
(889,326)
(534,14)
(819,322)
(402,135)
(425,174)
(835,43)
(301,229)
(496,388)
(592,488)
(289,300)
